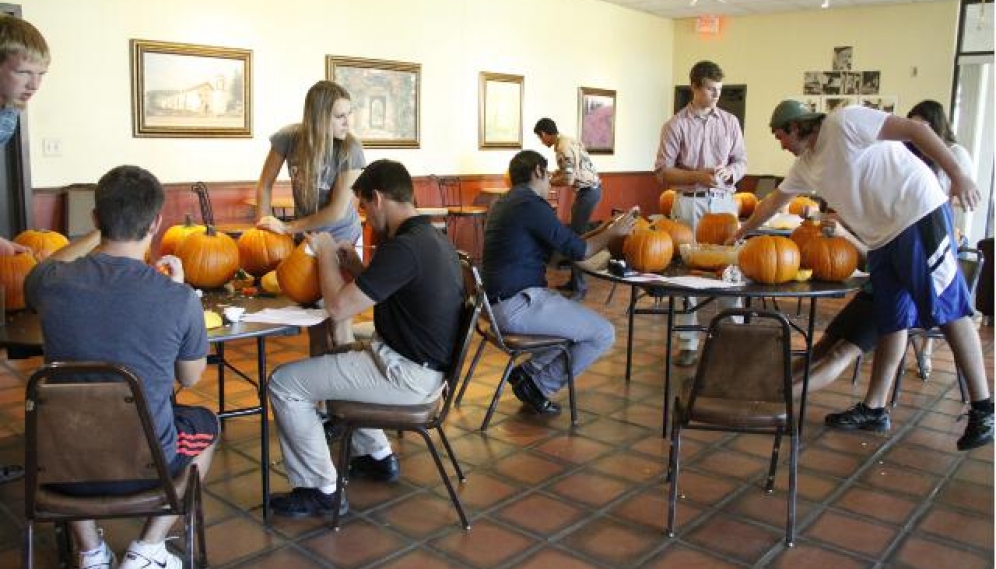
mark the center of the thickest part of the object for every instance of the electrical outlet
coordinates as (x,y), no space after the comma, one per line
(51,147)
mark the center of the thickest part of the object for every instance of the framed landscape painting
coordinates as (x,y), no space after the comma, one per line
(499,114)
(597,119)
(385,97)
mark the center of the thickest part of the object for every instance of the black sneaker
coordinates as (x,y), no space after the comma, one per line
(979,430)
(386,469)
(527,392)
(861,417)
(306,502)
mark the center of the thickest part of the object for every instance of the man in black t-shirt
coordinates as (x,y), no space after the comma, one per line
(415,287)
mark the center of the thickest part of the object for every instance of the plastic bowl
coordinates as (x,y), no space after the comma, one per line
(709,257)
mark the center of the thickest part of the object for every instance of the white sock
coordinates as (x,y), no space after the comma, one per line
(328,489)
(99,549)
(381,454)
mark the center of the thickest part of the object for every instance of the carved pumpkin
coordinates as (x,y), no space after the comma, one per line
(679,232)
(808,229)
(269,282)
(260,251)
(769,259)
(831,258)
(210,259)
(13,269)
(667,202)
(800,204)
(297,276)
(615,245)
(42,241)
(648,251)
(177,233)
(746,202)
(716,228)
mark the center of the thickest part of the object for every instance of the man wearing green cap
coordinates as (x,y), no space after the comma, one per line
(854,159)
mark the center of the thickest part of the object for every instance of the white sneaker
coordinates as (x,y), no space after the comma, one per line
(141,555)
(101,558)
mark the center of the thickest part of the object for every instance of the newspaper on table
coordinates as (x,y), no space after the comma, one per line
(687,281)
(288,315)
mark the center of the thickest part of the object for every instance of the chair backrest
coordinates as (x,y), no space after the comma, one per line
(750,361)
(207,214)
(487,328)
(765,185)
(450,190)
(970,262)
(88,422)
(80,201)
(469,313)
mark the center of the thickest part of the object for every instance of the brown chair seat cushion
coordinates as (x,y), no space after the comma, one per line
(359,414)
(736,413)
(468,210)
(49,502)
(523,342)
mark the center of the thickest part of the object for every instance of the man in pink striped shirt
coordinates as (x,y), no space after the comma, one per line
(701,156)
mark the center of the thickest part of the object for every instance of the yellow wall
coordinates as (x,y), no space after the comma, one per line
(85,101)
(770,53)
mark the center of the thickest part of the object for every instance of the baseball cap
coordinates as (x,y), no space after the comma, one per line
(790,110)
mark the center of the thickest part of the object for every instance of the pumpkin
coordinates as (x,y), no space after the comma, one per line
(297,276)
(615,245)
(746,202)
(679,232)
(648,251)
(808,229)
(716,228)
(769,259)
(800,204)
(260,251)
(210,259)
(831,258)
(177,233)
(269,282)
(42,241)
(666,201)
(13,269)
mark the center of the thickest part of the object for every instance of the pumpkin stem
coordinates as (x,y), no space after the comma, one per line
(188,220)
(210,230)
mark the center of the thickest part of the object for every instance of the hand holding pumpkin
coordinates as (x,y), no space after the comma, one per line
(622,225)
(321,242)
(271,223)
(173,265)
(349,259)
(11,248)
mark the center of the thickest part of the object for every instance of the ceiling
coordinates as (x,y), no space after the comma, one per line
(685,9)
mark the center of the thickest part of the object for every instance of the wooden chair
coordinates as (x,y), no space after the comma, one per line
(451,197)
(207,213)
(352,415)
(89,422)
(515,346)
(743,384)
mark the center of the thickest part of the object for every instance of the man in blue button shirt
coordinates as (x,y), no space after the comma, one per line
(521,234)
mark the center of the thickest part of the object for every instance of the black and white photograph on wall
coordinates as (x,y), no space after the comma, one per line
(850,82)
(869,82)
(812,83)
(842,57)
(882,103)
(832,103)
(832,83)
(815,104)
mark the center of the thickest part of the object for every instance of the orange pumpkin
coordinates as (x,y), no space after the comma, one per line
(679,232)
(13,269)
(260,251)
(297,276)
(210,259)
(746,202)
(808,229)
(615,245)
(648,251)
(666,201)
(177,233)
(769,259)
(716,228)
(831,258)
(800,204)
(42,241)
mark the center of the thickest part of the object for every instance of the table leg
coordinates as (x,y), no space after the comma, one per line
(667,364)
(629,331)
(220,354)
(264,423)
(807,361)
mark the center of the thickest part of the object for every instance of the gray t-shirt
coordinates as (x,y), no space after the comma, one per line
(284,142)
(115,309)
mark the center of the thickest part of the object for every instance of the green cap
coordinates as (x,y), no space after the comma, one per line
(790,110)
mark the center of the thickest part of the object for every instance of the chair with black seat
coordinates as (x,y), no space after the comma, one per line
(517,347)
(970,263)
(207,213)
(451,195)
(743,384)
(89,422)
(421,418)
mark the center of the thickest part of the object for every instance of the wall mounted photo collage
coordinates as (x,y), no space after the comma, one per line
(842,86)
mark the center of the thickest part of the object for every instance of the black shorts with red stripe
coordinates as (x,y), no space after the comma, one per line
(197,428)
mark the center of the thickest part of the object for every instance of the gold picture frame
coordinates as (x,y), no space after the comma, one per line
(183,90)
(385,96)
(499,114)
(597,119)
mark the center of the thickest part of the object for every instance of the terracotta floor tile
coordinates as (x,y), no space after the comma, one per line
(771,509)
(702,488)
(974,497)
(541,514)
(891,508)
(974,530)
(281,558)
(576,449)
(897,479)
(727,463)
(920,459)
(420,516)
(549,558)
(811,557)
(920,553)
(613,543)
(852,534)
(420,559)
(487,545)
(237,538)
(636,468)
(529,468)
(357,543)
(975,471)
(480,491)
(737,539)
(588,488)
(834,463)
(649,508)
(687,558)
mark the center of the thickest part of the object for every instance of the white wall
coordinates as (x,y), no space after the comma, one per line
(770,53)
(558,45)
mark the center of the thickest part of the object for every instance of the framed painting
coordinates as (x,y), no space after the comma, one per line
(190,91)
(597,119)
(499,113)
(385,98)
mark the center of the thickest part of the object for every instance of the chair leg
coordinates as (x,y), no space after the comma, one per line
(612,292)
(446,479)
(857,368)
(920,356)
(497,395)
(449,451)
(900,372)
(64,545)
(675,460)
(28,550)
(342,478)
(202,559)
(793,484)
(769,486)
(960,378)
(571,393)
(470,371)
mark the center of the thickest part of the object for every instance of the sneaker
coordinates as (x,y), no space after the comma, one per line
(979,430)
(306,502)
(527,392)
(101,558)
(386,469)
(860,417)
(141,555)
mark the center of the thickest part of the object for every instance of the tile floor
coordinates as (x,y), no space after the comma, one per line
(541,495)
